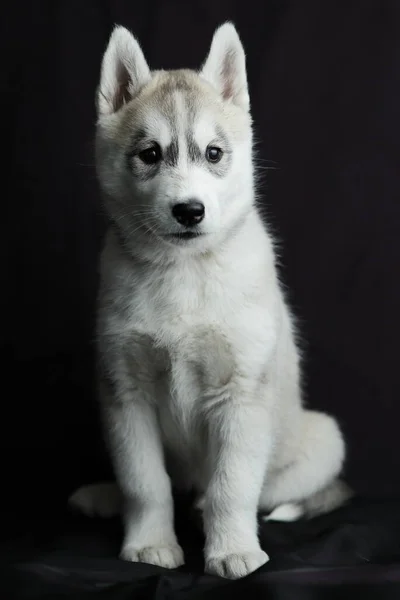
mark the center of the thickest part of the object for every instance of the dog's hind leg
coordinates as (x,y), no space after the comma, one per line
(97,500)
(309,484)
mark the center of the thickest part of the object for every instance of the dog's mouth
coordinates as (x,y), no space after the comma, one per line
(184,235)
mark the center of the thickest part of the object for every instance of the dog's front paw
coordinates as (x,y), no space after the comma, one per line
(235,566)
(169,557)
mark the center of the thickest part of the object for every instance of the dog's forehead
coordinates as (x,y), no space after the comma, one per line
(177,103)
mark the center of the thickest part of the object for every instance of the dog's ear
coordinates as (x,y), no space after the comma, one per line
(225,66)
(124,71)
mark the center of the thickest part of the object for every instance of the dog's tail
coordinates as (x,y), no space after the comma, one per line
(333,496)
(97,500)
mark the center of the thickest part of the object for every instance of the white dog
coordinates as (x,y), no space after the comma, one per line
(199,369)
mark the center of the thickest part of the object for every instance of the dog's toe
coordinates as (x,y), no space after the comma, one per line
(236,566)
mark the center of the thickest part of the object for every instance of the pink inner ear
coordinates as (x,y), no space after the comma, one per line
(122,95)
(227,74)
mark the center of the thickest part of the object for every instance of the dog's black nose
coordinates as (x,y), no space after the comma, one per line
(189,213)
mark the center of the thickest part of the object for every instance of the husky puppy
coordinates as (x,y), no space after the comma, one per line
(198,363)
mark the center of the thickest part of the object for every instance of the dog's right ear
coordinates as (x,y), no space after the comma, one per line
(124,71)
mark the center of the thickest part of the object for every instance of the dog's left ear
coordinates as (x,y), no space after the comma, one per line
(225,66)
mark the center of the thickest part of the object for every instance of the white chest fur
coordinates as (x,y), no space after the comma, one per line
(195,327)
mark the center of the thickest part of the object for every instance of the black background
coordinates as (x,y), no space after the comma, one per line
(325,90)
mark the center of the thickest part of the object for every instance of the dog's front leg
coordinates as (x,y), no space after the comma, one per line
(136,448)
(239,446)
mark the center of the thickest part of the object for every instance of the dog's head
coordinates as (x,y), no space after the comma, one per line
(174,148)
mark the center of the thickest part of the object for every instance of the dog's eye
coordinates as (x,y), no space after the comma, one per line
(151,155)
(213,154)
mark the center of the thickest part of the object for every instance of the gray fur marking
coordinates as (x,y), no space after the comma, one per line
(171,154)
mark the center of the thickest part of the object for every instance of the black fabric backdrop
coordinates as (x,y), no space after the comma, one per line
(325,89)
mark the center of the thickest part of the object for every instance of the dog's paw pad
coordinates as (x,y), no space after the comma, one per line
(236,566)
(169,557)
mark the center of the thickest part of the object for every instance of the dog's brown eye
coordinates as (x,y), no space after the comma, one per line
(213,154)
(151,155)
